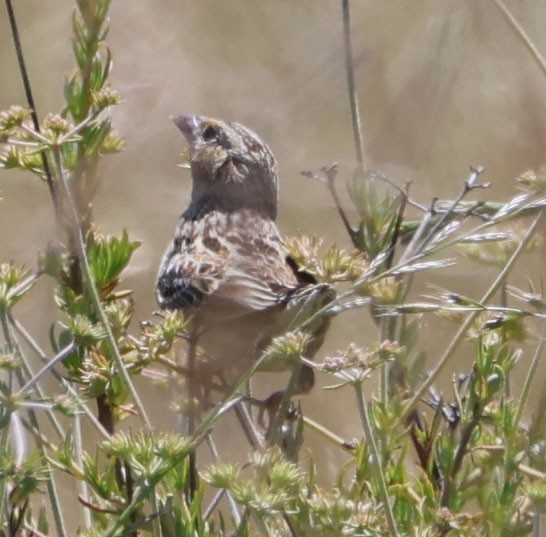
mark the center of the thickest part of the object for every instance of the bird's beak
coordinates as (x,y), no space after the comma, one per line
(188,125)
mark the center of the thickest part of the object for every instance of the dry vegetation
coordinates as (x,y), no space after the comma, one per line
(467,460)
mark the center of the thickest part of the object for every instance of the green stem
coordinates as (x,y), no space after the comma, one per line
(78,455)
(4,436)
(156,521)
(377,464)
(351,88)
(242,528)
(4,444)
(528,381)
(385,368)
(538,422)
(466,435)
(92,290)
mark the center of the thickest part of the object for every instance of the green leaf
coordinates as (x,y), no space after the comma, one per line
(94,136)
(97,73)
(74,97)
(108,256)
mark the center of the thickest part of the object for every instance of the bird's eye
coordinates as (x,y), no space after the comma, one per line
(210,133)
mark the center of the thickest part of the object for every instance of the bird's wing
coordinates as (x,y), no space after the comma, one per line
(257,275)
(185,278)
(225,266)
(193,266)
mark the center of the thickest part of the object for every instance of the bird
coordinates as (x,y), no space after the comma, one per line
(226,267)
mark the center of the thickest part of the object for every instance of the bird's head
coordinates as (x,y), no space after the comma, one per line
(231,163)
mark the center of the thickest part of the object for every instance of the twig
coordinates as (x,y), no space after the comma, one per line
(54,361)
(411,249)
(531,373)
(247,425)
(403,191)
(338,441)
(469,185)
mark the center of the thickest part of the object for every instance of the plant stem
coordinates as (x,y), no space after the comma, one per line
(522,35)
(4,444)
(92,290)
(30,99)
(43,357)
(50,483)
(369,433)
(531,373)
(332,437)
(351,88)
(466,435)
(191,382)
(78,454)
(47,367)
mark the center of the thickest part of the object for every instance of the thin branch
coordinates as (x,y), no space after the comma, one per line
(54,361)
(338,441)
(469,185)
(248,426)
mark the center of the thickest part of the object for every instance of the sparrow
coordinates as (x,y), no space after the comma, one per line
(226,267)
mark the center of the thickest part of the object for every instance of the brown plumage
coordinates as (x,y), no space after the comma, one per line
(226,266)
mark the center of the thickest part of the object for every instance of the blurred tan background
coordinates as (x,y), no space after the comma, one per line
(442,85)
